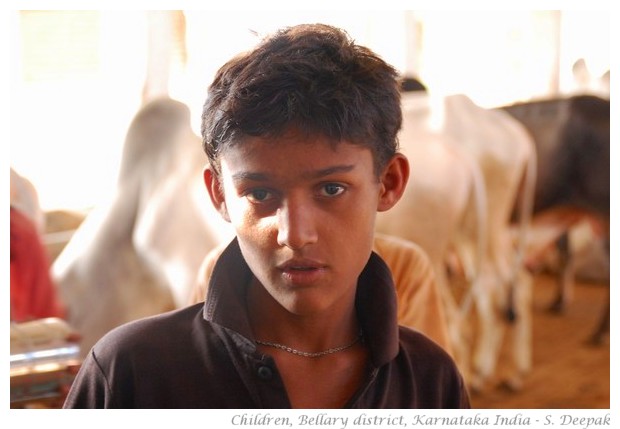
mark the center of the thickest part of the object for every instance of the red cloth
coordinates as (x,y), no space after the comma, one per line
(33,293)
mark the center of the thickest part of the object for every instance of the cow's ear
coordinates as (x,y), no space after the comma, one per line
(214,186)
(393,181)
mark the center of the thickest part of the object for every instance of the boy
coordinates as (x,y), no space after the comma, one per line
(301,139)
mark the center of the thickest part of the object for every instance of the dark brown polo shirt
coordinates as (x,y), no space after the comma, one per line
(204,356)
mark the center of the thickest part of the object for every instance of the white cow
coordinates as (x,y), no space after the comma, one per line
(506,155)
(139,254)
(445,185)
(467,167)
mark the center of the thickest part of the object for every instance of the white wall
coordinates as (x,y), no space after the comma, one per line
(67,132)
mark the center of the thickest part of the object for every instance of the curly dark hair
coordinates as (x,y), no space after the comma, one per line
(311,77)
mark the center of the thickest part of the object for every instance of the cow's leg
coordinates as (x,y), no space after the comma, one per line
(456,322)
(603,326)
(490,333)
(602,329)
(566,274)
(522,333)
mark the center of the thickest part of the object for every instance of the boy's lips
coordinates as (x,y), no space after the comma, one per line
(302,270)
(300,264)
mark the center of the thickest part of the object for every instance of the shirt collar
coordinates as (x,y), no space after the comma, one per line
(375,301)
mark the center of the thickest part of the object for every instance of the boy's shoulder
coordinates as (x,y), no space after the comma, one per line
(432,365)
(417,345)
(143,332)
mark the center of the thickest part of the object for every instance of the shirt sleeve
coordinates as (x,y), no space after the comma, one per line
(90,389)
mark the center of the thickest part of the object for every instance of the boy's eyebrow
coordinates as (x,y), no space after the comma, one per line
(317,174)
(247,175)
(330,170)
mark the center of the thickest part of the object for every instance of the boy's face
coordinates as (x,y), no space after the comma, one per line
(304,213)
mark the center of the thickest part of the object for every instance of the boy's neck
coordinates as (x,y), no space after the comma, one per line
(272,322)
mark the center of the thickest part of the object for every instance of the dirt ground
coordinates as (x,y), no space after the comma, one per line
(567,372)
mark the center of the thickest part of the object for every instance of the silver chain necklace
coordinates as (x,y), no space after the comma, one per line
(311,354)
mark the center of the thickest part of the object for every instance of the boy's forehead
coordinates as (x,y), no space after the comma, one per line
(291,143)
(306,156)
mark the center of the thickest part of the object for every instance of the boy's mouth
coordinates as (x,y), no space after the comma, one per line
(301,271)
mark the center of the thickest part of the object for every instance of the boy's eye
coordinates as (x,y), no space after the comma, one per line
(332,189)
(258,195)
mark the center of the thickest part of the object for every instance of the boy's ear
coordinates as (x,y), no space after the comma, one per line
(393,181)
(216,192)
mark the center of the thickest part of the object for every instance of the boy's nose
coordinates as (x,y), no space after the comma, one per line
(296,225)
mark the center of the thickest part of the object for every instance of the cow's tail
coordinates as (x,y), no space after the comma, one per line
(478,196)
